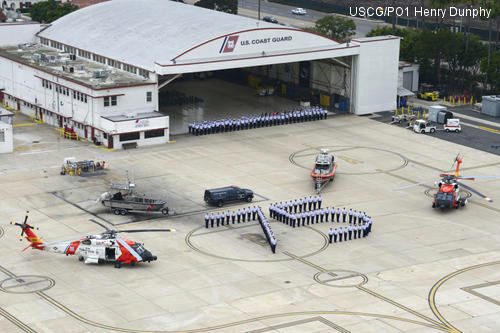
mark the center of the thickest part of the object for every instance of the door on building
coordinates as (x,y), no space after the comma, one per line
(305,74)
(18,106)
(85,129)
(110,141)
(408,80)
(1,97)
(60,121)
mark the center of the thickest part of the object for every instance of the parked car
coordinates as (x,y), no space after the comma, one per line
(299,11)
(219,196)
(270,19)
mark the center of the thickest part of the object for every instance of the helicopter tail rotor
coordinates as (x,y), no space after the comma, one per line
(26,229)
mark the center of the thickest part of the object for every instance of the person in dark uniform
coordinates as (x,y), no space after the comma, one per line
(308,215)
(340,234)
(233,216)
(294,220)
(321,215)
(345,233)
(309,202)
(243,215)
(360,228)
(355,230)
(330,236)
(217,218)
(238,213)
(227,217)
(337,211)
(304,204)
(320,200)
(249,214)
(335,234)
(315,202)
(212,220)
(350,215)
(350,232)
(206,220)
(344,212)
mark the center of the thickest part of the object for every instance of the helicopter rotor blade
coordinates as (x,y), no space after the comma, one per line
(476,192)
(478,177)
(413,185)
(146,230)
(26,217)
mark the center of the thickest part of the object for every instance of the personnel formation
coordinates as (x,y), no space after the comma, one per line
(263,120)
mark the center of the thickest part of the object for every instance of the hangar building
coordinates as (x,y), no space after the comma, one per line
(98,70)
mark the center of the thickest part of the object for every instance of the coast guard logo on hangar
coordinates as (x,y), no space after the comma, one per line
(229,44)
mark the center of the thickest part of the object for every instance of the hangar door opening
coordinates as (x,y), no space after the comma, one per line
(234,93)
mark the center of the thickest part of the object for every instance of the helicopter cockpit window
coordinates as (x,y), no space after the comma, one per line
(138,248)
(322,166)
(86,242)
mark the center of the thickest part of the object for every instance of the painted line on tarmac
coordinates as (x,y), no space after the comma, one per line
(16,321)
(432,293)
(385,299)
(482,128)
(308,263)
(76,316)
(321,269)
(24,124)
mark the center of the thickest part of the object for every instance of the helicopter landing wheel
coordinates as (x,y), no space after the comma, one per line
(116,211)
(433,205)
(164,211)
(118,264)
(80,258)
(123,212)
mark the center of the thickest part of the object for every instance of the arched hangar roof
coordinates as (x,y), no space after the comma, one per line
(170,37)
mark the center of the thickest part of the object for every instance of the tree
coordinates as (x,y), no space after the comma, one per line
(492,70)
(49,11)
(227,6)
(335,27)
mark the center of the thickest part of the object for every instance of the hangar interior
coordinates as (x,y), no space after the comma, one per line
(196,97)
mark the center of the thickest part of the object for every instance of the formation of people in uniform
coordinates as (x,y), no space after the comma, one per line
(301,212)
(297,213)
(263,120)
(225,218)
(268,232)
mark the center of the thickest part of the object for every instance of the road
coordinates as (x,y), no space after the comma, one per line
(363,26)
(283,14)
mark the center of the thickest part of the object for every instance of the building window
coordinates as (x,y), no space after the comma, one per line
(129,136)
(2,135)
(85,98)
(149,96)
(106,101)
(113,100)
(105,135)
(154,133)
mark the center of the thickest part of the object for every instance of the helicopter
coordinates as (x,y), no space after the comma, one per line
(107,246)
(448,194)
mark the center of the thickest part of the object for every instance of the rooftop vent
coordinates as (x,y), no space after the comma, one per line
(99,74)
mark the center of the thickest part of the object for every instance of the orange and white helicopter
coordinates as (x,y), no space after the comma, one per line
(448,194)
(94,249)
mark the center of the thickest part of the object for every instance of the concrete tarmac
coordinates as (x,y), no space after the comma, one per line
(420,270)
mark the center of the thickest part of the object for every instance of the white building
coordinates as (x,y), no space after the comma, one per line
(6,140)
(139,46)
